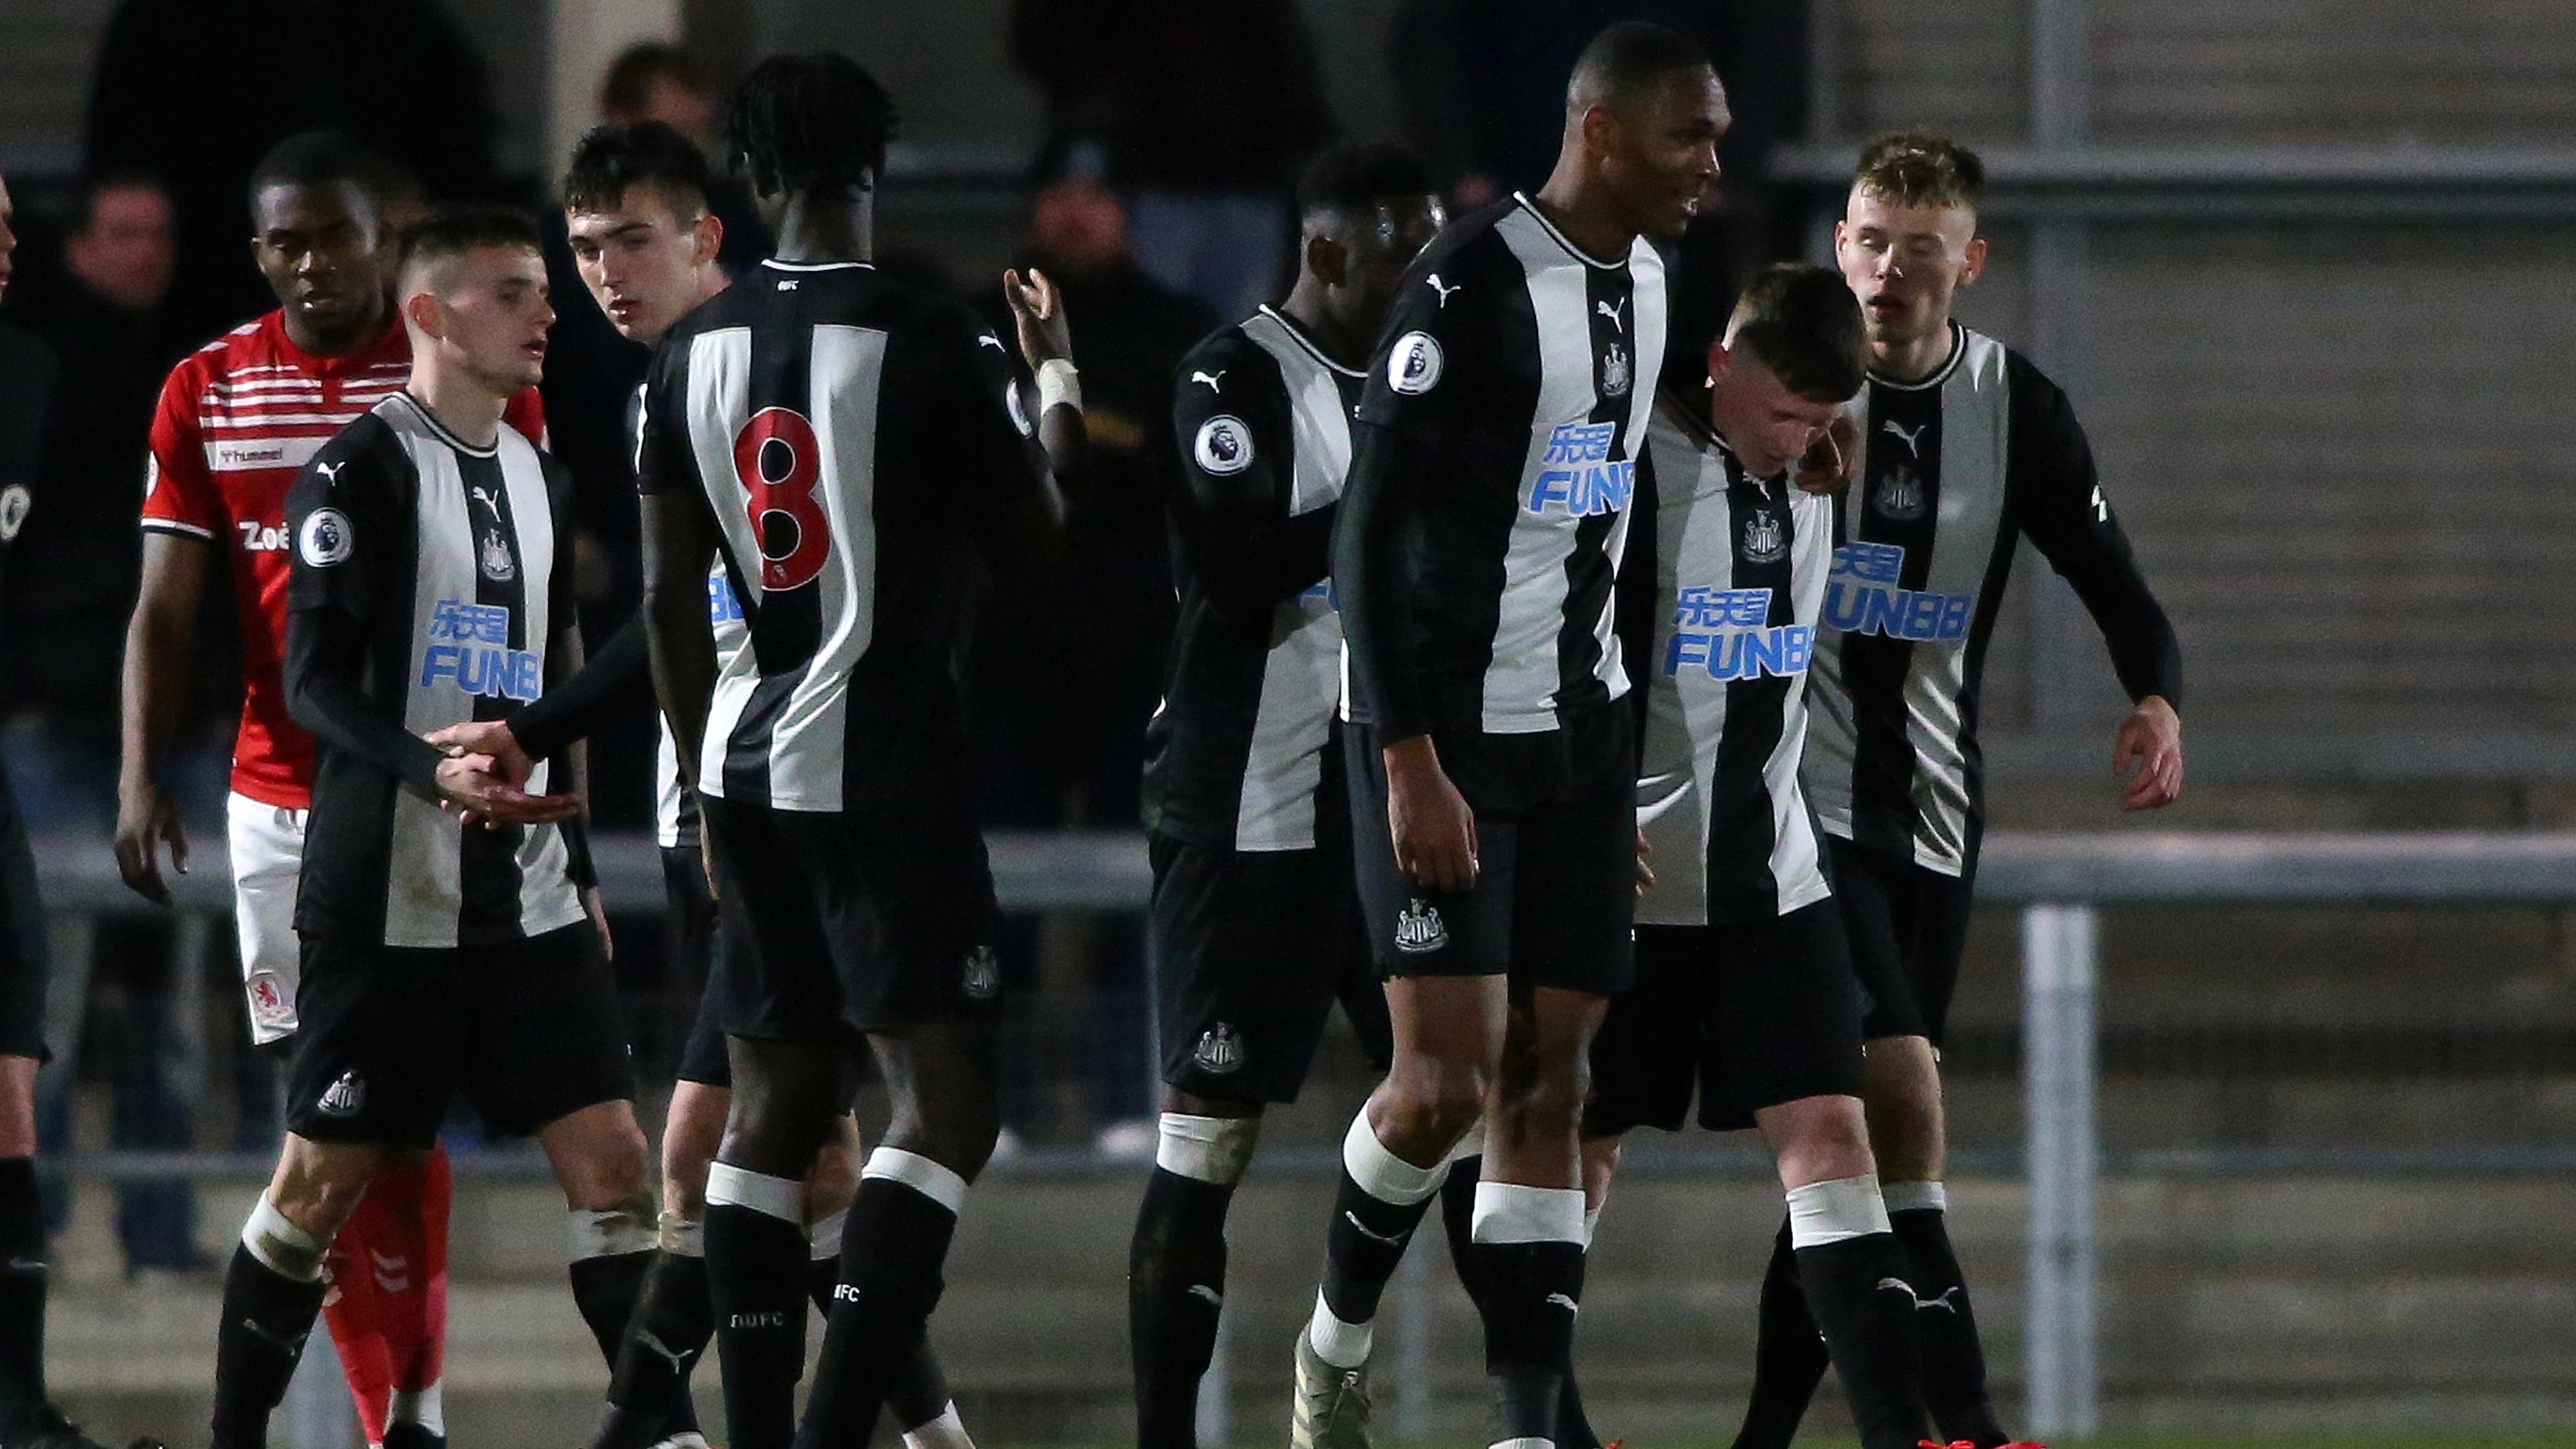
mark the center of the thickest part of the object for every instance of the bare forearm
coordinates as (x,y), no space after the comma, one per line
(683,649)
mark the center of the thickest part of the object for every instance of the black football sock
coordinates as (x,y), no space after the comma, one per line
(1789,1356)
(1529,1259)
(1458,1219)
(1854,1273)
(756,1278)
(1379,1200)
(648,1391)
(1175,1291)
(1954,1359)
(611,1254)
(22,1296)
(272,1293)
(892,1256)
(1574,1427)
(916,1390)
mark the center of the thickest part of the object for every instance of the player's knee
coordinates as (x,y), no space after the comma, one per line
(1436,1098)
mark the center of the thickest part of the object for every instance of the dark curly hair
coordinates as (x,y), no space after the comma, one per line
(810,123)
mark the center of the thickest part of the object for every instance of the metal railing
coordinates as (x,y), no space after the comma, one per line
(2059,881)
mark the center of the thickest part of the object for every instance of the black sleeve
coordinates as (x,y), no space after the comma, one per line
(988,438)
(1232,511)
(339,517)
(2056,499)
(1639,562)
(614,681)
(663,462)
(1436,366)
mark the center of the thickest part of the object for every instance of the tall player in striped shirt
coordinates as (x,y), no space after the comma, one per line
(432,584)
(1745,990)
(1493,769)
(840,439)
(1969,449)
(236,421)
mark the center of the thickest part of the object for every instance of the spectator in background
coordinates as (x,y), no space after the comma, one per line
(1210,110)
(658,81)
(67,598)
(195,91)
(1069,666)
(71,582)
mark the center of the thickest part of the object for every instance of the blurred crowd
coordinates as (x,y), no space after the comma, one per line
(1158,201)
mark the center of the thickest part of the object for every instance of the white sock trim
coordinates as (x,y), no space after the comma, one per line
(1591,1224)
(1206,1149)
(1343,1345)
(919,1173)
(607,1232)
(1383,1175)
(682,1237)
(1836,1211)
(823,1240)
(1507,1212)
(1524,1444)
(782,1198)
(944,1432)
(425,1407)
(1914,1197)
(287,1250)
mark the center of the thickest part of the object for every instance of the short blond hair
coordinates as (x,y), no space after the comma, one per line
(1916,168)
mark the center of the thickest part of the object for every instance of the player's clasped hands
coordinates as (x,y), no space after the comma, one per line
(481,776)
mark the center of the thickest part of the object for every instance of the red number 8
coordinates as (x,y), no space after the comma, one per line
(778,461)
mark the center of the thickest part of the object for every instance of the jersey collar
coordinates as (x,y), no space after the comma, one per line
(1940,375)
(1567,242)
(1289,325)
(442,432)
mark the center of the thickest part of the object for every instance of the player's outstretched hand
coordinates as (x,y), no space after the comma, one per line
(1037,310)
(2149,752)
(1834,459)
(487,737)
(1434,831)
(145,818)
(473,786)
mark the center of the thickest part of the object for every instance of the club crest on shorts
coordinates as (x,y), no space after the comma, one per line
(345,1097)
(1220,1050)
(1418,928)
(268,1004)
(982,978)
(15,501)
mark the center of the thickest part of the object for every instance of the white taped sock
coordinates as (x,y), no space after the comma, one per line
(425,1407)
(1343,1345)
(1507,1212)
(1206,1149)
(824,1238)
(945,1432)
(1909,1197)
(289,1251)
(1836,1211)
(933,1181)
(782,1198)
(1383,1175)
(606,1232)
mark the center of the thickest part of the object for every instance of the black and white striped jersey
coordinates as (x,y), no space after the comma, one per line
(430,582)
(1740,566)
(1488,500)
(1242,753)
(845,429)
(675,806)
(1959,467)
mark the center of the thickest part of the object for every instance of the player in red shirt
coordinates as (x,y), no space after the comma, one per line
(237,420)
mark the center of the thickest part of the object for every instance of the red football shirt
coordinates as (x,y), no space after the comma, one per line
(237,420)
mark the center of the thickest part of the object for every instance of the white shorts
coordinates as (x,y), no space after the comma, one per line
(267,844)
